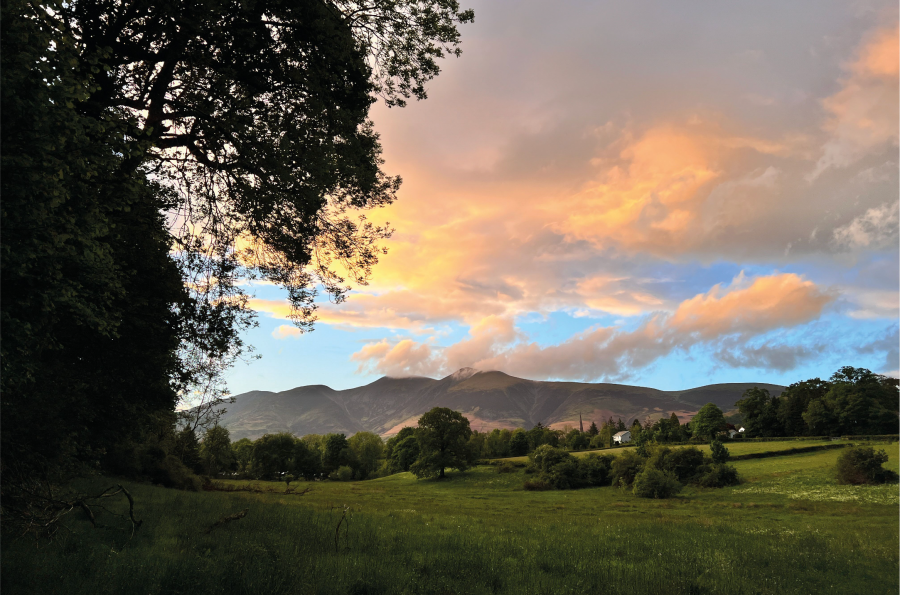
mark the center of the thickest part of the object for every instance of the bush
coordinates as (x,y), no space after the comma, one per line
(172,473)
(506,467)
(342,473)
(863,465)
(595,469)
(684,463)
(653,483)
(537,485)
(718,475)
(625,468)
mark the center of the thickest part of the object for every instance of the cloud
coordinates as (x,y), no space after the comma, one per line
(766,357)
(873,303)
(746,309)
(876,228)
(888,344)
(863,114)
(405,358)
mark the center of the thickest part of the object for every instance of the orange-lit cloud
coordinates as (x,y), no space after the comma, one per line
(863,114)
(745,309)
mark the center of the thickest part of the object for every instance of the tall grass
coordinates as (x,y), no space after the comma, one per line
(476,533)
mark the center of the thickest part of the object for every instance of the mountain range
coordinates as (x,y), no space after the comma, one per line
(488,399)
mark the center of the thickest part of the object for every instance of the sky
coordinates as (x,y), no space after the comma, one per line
(665,194)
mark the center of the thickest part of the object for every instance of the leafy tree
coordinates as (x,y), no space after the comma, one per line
(708,422)
(307,460)
(518,443)
(443,435)
(760,412)
(397,438)
(243,454)
(187,449)
(541,434)
(215,450)
(576,440)
(337,453)
(273,454)
(497,443)
(794,402)
(593,430)
(862,402)
(620,426)
(368,448)
(819,419)
(405,453)
(246,121)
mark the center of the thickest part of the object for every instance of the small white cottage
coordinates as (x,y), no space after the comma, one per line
(622,437)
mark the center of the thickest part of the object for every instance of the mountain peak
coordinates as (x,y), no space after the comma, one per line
(463,373)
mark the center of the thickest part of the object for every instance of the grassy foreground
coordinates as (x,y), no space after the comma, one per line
(787,529)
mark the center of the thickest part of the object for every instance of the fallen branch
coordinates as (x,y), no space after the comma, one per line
(228,519)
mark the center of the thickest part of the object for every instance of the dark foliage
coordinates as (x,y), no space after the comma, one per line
(443,436)
(717,475)
(863,465)
(654,483)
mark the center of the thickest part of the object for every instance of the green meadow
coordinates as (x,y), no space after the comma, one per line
(787,529)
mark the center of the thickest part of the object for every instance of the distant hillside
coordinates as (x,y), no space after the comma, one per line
(489,399)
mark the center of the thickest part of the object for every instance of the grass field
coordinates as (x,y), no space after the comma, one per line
(787,529)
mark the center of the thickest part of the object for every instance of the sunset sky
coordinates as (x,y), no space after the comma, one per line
(667,194)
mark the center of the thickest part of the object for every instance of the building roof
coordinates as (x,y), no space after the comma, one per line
(622,433)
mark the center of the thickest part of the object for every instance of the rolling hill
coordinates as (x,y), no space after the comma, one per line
(489,399)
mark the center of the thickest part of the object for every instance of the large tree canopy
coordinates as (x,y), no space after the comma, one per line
(157,152)
(257,114)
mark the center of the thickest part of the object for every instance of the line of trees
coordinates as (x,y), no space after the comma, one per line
(853,401)
(651,472)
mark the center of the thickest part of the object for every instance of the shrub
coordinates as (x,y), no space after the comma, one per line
(545,456)
(684,463)
(862,465)
(342,473)
(172,473)
(653,483)
(506,467)
(718,475)
(625,468)
(595,469)
(536,485)
(288,479)
(564,475)
(719,453)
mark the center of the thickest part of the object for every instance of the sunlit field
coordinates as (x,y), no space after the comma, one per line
(787,529)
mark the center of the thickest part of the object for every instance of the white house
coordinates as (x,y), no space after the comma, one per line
(622,437)
(732,433)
